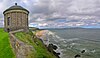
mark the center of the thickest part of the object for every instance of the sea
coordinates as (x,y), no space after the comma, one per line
(72,41)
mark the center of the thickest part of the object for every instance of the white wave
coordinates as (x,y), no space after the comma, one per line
(74,44)
(58,50)
(93,51)
(73,39)
(51,36)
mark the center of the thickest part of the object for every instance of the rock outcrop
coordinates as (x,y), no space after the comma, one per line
(21,49)
(51,47)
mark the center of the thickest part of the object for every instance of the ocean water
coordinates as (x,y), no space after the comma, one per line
(72,41)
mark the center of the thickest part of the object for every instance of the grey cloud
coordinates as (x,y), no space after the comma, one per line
(51,10)
(66,7)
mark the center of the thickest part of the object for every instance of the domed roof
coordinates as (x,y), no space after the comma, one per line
(16,7)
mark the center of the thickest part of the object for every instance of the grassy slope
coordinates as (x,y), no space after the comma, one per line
(5,48)
(40,50)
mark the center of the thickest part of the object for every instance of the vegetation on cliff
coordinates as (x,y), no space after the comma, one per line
(5,47)
(40,51)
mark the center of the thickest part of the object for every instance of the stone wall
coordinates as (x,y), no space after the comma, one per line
(18,20)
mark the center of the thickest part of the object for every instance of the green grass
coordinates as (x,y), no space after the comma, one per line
(40,50)
(5,48)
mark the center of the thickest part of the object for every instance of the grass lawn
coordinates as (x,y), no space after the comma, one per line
(5,48)
(40,49)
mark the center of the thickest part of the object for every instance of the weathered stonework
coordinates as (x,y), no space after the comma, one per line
(16,17)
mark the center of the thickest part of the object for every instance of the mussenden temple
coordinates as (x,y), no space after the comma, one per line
(15,18)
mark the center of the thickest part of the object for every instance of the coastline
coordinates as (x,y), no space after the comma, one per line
(53,48)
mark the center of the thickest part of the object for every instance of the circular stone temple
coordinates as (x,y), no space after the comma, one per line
(15,17)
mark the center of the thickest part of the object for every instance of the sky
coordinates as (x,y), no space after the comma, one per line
(58,13)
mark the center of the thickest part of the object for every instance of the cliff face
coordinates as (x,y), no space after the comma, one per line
(27,45)
(21,49)
(45,36)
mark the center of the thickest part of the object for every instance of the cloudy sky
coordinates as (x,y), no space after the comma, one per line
(58,13)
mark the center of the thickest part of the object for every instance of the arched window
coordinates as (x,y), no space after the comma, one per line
(8,21)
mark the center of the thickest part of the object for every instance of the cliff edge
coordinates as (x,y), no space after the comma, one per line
(27,45)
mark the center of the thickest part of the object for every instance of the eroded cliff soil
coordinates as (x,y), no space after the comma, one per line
(27,45)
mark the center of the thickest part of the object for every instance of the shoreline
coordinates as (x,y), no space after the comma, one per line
(53,48)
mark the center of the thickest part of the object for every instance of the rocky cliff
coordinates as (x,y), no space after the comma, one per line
(27,45)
